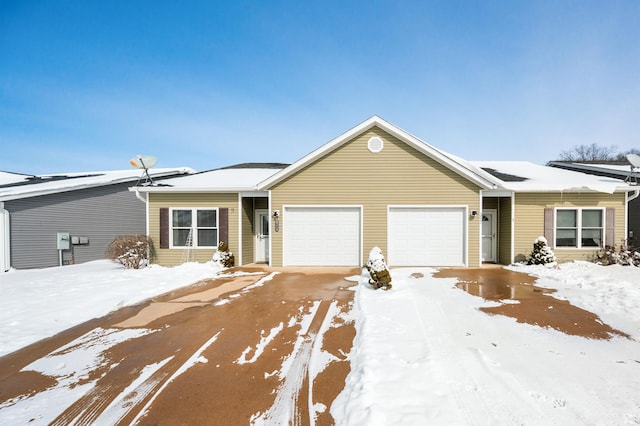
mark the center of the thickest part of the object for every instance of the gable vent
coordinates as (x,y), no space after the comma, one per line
(375,144)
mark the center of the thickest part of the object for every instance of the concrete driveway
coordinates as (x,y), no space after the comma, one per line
(221,351)
(253,344)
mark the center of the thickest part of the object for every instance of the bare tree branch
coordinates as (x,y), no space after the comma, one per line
(593,152)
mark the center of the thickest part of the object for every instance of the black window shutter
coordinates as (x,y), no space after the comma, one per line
(164,227)
(223,224)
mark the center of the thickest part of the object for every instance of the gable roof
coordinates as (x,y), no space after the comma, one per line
(26,186)
(456,164)
(236,178)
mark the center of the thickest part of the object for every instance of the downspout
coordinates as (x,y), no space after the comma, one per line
(140,197)
(635,195)
(146,219)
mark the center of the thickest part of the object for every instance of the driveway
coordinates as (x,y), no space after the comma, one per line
(253,344)
(258,344)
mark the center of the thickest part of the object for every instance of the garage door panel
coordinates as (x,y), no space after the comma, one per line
(426,236)
(322,236)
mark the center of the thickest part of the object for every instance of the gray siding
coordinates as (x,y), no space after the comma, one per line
(100,214)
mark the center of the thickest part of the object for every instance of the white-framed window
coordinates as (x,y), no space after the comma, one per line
(581,227)
(195,227)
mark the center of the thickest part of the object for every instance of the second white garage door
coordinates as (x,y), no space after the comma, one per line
(321,236)
(426,236)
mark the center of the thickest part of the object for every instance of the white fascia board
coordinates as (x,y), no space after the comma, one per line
(58,190)
(490,193)
(249,194)
(484,182)
(186,189)
(584,190)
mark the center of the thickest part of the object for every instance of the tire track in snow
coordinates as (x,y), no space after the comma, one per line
(295,372)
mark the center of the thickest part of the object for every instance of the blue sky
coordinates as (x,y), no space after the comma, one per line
(85,86)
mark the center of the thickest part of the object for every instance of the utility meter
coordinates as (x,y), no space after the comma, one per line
(64,241)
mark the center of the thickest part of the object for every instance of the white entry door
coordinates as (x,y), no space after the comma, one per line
(262,235)
(489,236)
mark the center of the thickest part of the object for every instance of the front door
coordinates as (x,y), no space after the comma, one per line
(489,236)
(262,235)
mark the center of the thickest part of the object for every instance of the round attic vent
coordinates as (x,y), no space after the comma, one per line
(375,144)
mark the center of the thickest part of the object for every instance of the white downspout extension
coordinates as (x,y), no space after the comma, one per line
(479,232)
(239,228)
(5,246)
(271,229)
(513,226)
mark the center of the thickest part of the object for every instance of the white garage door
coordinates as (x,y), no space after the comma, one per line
(426,236)
(321,236)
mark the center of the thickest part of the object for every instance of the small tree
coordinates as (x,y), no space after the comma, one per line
(132,251)
(378,271)
(542,253)
(223,256)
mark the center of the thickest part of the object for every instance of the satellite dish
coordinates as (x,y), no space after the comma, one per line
(143,161)
(634,160)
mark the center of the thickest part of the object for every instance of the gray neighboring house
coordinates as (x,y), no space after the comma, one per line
(617,170)
(41,215)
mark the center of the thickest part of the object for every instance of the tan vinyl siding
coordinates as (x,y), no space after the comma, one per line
(529,219)
(504,231)
(248,254)
(171,257)
(249,205)
(490,203)
(399,175)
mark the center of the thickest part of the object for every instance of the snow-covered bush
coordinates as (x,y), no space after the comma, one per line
(132,251)
(223,256)
(542,253)
(610,255)
(378,271)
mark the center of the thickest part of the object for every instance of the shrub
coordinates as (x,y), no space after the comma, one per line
(223,256)
(624,255)
(542,253)
(378,271)
(132,251)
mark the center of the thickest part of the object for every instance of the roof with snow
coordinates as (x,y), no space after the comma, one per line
(236,178)
(617,170)
(16,186)
(523,176)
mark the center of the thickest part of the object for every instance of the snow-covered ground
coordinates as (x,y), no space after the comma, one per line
(39,303)
(424,353)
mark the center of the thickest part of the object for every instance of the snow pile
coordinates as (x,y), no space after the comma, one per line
(39,303)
